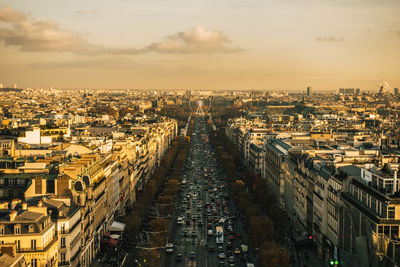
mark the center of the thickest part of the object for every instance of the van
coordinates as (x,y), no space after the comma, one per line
(210,232)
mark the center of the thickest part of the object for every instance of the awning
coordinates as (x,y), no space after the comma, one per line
(113,242)
(117,226)
(115,236)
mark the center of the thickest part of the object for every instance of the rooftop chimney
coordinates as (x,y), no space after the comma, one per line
(13,215)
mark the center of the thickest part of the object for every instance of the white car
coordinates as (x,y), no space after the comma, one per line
(169,248)
(179,220)
(221,256)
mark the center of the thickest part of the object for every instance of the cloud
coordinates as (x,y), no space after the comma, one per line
(195,40)
(8,14)
(329,39)
(36,35)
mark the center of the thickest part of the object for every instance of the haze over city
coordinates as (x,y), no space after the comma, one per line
(200,44)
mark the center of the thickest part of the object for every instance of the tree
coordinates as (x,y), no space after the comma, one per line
(261,229)
(272,255)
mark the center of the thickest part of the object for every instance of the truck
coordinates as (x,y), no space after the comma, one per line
(219,235)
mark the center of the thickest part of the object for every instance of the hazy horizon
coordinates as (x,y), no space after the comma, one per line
(200,45)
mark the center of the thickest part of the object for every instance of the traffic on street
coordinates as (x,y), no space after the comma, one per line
(205,226)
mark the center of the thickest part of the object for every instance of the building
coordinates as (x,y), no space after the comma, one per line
(33,234)
(9,257)
(67,216)
(309,91)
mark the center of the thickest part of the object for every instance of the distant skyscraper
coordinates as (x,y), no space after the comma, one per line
(396,91)
(1,85)
(15,86)
(309,91)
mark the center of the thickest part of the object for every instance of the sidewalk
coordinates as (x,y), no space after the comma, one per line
(302,257)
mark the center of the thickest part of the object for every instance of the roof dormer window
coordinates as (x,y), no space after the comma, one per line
(1,229)
(31,228)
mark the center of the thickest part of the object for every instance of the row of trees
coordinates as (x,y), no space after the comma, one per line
(150,190)
(258,206)
(161,189)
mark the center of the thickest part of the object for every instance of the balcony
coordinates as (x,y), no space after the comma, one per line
(38,249)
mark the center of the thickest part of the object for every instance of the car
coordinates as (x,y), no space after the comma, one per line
(221,255)
(237,251)
(193,233)
(185,233)
(229,244)
(179,257)
(231,259)
(221,249)
(179,220)
(211,248)
(192,255)
(169,248)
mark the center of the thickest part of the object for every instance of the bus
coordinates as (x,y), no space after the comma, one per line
(219,235)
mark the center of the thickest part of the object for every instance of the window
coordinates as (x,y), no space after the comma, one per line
(33,262)
(373,205)
(63,242)
(63,228)
(18,243)
(62,257)
(380,229)
(391,212)
(31,228)
(17,229)
(2,230)
(394,231)
(33,244)
(386,230)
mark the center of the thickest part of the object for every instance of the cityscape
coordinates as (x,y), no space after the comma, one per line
(201,134)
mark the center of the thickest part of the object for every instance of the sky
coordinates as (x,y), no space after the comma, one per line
(208,44)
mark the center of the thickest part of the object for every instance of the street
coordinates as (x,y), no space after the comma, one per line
(202,207)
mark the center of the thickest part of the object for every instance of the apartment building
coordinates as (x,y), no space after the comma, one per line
(33,234)
(323,181)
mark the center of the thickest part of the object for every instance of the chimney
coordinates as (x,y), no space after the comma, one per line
(4,205)
(13,215)
(395,181)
